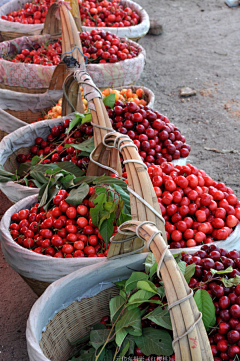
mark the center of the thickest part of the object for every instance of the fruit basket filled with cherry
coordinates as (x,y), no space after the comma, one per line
(32,13)
(212,273)
(156,138)
(110,14)
(77,222)
(107,14)
(197,210)
(98,47)
(103,52)
(139,95)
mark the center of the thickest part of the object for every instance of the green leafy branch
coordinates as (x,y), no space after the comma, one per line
(112,205)
(126,312)
(35,166)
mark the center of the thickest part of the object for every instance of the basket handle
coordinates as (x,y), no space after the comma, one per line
(70,36)
(72,97)
(101,125)
(76,14)
(52,25)
(138,180)
(70,40)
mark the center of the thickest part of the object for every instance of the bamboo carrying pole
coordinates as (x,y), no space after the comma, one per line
(71,46)
(76,13)
(70,36)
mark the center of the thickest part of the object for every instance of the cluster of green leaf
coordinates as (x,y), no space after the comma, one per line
(126,332)
(37,172)
(202,298)
(112,203)
(227,282)
(111,198)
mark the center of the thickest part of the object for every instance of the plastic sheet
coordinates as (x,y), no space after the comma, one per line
(34,102)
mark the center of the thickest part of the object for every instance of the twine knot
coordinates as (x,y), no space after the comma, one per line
(60,3)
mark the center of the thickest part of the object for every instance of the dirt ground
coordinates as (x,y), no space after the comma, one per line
(199,49)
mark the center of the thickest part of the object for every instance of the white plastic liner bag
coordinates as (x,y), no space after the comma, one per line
(19,101)
(132,32)
(9,123)
(232,242)
(24,137)
(30,264)
(84,283)
(23,101)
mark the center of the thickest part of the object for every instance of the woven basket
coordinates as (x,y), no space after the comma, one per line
(72,323)
(21,77)
(51,25)
(74,303)
(38,287)
(24,89)
(27,115)
(133,33)
(30,30)
(16,42)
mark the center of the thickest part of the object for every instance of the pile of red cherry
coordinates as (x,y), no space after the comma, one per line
(65,231)
(158,140)
(45,54)
(32,13)
(107,13)
(225,336)
(52,150)
(102,47)
(98,46)
(196,209)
